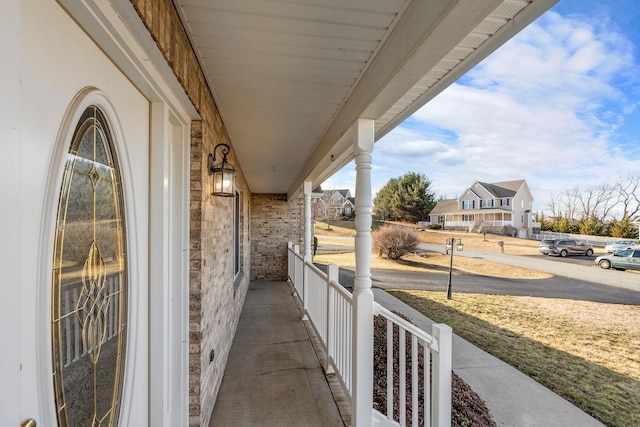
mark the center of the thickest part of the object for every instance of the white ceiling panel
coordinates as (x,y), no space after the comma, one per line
(289,77)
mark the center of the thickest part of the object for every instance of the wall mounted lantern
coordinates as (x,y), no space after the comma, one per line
(223,173)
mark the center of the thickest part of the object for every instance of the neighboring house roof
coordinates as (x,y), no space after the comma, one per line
(343,193)
(503,189)
(443,206)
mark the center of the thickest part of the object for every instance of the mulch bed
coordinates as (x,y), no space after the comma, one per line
(467,409)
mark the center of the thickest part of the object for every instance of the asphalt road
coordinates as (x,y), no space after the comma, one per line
(555,287)
(576,278)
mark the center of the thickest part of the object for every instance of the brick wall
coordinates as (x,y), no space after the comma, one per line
(274,222)
(215,298)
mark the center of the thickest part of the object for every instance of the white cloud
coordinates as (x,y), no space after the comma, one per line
(545,107)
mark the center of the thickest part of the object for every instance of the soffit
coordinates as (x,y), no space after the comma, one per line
(291,76)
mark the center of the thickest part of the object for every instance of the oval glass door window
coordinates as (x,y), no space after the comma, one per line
(89,280)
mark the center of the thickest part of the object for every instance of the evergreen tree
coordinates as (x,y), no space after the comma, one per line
(590,226)
(545,224)
(408,198)
(623,229)
(383,201)
(563,225)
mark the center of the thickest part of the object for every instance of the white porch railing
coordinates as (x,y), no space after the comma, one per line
(497,223)
(329,307)
(296,264)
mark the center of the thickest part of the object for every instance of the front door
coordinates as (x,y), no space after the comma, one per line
(84,348)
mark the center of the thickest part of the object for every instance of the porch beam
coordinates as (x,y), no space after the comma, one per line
(362,333)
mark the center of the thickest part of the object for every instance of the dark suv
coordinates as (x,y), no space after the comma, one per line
(564,247)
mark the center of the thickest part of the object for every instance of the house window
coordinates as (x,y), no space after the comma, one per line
(468,204)
(504,202)
(236,235)
(467,218)
(486,203)
(89,281)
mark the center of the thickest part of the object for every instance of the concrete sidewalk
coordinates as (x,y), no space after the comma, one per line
(514,399)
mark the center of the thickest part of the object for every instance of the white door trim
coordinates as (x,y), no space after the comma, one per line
(169,280)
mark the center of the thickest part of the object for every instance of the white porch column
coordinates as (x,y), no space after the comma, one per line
(306,190)
(308,253)
(362,380)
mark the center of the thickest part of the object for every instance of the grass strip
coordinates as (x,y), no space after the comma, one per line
(589,353)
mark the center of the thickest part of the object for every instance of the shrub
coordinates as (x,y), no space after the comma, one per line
(434,227)
(395,241)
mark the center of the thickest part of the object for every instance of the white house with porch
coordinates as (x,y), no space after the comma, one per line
(157,156)
(502,207)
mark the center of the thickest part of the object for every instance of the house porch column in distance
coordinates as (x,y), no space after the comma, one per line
(362,354)
(308,254)
(306,190)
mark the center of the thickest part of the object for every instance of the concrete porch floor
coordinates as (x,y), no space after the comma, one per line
(273,376)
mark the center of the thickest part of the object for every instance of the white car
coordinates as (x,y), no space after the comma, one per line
(619,245)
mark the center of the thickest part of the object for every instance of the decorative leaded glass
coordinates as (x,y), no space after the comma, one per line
(89,280)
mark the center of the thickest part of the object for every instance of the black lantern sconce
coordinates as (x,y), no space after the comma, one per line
(224,174)
(450,242)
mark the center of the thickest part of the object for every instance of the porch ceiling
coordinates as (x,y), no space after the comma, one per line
(291,76)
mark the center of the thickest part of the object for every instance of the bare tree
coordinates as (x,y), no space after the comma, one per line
(606,202)
(595,201)
(567,201)
(555,206)
(628,189)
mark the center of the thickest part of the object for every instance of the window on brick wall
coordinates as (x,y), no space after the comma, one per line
(236,234)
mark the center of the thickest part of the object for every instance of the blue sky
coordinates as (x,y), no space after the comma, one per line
(557,105)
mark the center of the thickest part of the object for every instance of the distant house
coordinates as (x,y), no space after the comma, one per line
(501,207)
(332,204)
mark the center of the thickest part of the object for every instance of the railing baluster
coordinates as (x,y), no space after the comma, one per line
(389,369)
(79,351)
(403,377)
(427,384)
(415,409)
(68,329)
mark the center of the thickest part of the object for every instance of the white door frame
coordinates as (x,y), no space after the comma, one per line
(169,270)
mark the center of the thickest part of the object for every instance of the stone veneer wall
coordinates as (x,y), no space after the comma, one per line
(215,298)
(274,223)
